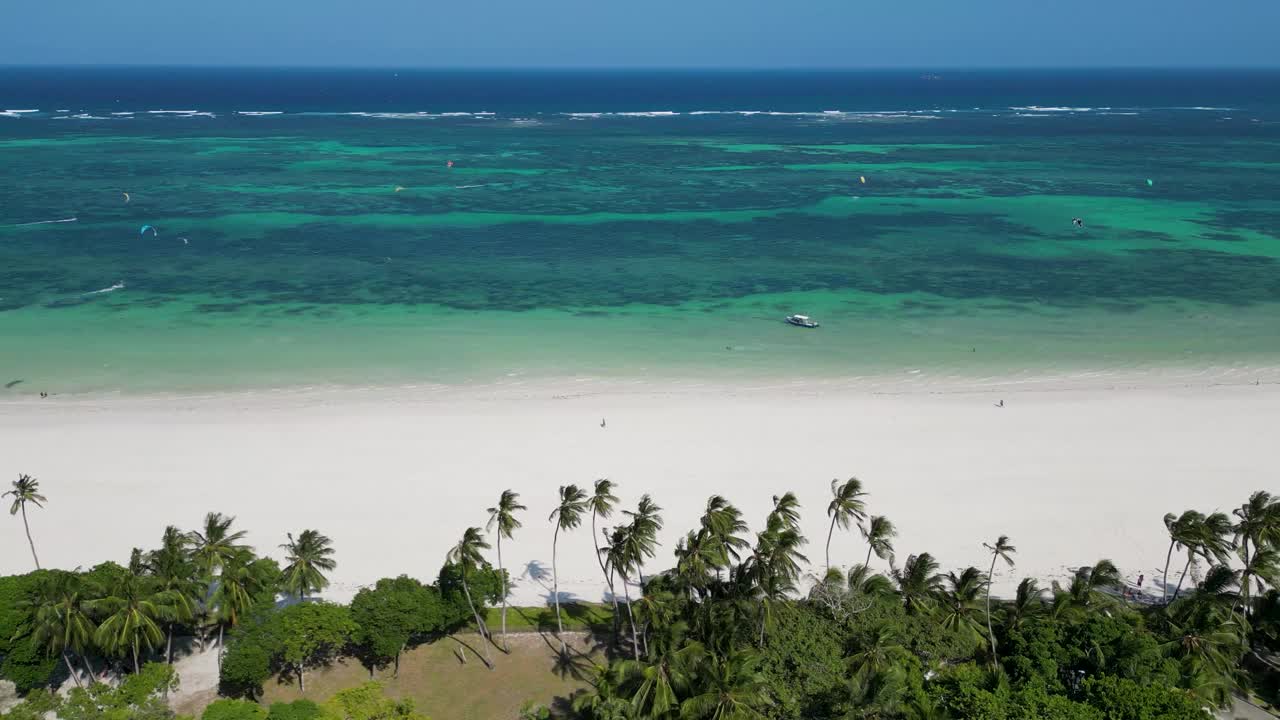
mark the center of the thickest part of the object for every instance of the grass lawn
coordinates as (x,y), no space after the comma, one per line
(577,616)
(445,688)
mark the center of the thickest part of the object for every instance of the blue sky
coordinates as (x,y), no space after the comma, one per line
(653,33)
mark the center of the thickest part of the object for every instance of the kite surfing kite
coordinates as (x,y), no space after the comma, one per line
(126,197)
(145,228)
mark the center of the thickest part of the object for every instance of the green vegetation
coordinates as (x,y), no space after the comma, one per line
(733,630)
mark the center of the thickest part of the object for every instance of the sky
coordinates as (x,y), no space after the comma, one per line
(652,33)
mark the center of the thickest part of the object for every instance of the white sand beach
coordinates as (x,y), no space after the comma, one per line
(1071,470)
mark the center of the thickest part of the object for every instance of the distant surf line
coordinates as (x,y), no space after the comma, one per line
(46,222)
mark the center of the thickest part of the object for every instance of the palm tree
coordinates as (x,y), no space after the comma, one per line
(695,558)
(26,489)
(960,600)
(566,516)
(239,582)
(624,554)
(721,524)
(1207,537)
(1028,601)
(215,543)
(846,506)
(879,534)
(732,688)
(646,521)
(601,503)
(309,559)
(467,554)
(653,686)
(775,566)
(132,613)
(60,620)
(1089,587)
(883,653)
(1181,530)
(1001,550)
(1209,652)
(175,573)
(1259,523)
(918,581)
(503,517)
(787,508)
(1263,567)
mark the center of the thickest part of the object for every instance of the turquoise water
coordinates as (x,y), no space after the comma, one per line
(577,239)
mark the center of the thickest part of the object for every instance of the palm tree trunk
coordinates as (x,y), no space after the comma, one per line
(995,659)
(555,590)
(635,638)
(136,668)
(829,534)
(302,680)
(867,563)
(608,578)
(88,667)
(220,628)
(503,573)
(1185,568)
(30,542)
(168,645)
(484,636)
(71,670)
(1164,584)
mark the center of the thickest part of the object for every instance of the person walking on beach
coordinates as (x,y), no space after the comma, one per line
(601,422)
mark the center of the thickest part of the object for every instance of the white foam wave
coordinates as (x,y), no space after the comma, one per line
(257,113)
(87,116)
(1055,109)
(113,288)
(182,113)
(122,113)
(46,222)
(649,113)
(412,115)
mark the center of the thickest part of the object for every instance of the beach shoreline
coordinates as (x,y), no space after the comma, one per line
(1072,468)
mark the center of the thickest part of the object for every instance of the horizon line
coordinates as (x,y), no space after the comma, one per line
(653,68)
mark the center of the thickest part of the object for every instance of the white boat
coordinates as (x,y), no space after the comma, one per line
(803,321)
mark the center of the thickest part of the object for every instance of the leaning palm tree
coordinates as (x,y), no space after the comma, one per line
(60,619)
(176,573)
(566,516)
(215,543)
(132,614)
(879,533)
(918,582)
(26,489)
(846,506)
(1002,549)
(467,554)
(1182,529)
(1208,538)
(601,504)
(503,517)
(309,559)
